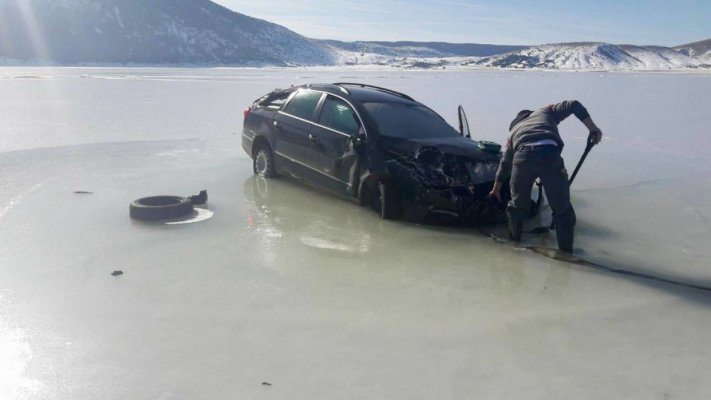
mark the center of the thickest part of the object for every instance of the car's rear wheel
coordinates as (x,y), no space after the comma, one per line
(263,162)
(389,203)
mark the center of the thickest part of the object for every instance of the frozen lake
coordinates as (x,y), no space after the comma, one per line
(316,296)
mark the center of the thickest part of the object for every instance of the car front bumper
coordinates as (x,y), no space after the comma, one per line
(466,205)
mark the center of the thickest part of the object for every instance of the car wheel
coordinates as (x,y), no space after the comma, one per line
(160,207)
(390,206)
(263,162)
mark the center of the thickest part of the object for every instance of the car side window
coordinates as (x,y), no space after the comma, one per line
(337,114)
(303,104)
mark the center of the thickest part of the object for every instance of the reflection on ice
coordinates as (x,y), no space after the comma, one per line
(15,353)
(328,245)
(322,221)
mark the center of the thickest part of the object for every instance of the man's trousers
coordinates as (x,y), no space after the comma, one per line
(545,162)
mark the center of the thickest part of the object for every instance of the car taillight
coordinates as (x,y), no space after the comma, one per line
(246,112)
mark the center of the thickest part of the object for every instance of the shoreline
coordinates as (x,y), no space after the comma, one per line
(352,68)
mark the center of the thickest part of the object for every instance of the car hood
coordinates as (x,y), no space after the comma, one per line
(458,146)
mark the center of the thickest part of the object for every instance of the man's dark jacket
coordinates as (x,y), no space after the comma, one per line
(536,126)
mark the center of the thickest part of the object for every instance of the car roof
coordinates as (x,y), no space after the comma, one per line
(362,92)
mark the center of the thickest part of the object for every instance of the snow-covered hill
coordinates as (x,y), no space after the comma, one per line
(148,32)
(591,56)
(369,53)
(699,50)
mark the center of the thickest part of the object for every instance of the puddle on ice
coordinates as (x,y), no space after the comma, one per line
(324,244)
(199,215)
(660,226)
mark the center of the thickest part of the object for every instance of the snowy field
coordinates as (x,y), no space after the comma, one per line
(289,293)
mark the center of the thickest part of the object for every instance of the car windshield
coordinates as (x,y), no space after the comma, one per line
(408,121)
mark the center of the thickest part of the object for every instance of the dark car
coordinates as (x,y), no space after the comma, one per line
(376,146)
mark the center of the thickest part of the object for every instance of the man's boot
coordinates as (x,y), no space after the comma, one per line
(565,234)
(565,229)
(515,224)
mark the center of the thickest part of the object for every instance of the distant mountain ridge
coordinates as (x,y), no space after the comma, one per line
(423,49)
(202,33)
(391,53)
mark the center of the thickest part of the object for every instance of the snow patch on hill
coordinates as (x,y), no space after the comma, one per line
(698,50)
(703,55)
(590,56)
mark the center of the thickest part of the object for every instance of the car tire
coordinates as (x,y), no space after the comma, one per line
(263,162)
(160,207)
(389,201)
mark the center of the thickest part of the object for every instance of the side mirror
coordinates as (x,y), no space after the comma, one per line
(360,137)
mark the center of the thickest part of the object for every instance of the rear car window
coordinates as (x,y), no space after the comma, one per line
(402,120)
(337,114)
(275,101)
(303,104)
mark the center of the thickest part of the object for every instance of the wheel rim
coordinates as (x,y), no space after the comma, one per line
(261,162)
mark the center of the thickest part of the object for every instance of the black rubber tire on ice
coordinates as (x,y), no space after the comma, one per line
(389,197)
(160,207)
(263,162)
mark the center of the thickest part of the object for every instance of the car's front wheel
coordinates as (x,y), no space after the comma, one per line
(389,203)
(263,162)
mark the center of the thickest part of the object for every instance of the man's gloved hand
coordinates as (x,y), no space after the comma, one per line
(496,192)
(595,136)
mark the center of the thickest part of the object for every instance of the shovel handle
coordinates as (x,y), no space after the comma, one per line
(588,147)
(590,144)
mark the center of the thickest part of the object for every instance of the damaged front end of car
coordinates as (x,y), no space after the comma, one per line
(437,186)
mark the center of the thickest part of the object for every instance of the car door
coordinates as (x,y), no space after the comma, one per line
(333,142)
(292,125)
(463,123)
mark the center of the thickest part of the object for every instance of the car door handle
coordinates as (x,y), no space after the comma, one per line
(276,124)
(313,138)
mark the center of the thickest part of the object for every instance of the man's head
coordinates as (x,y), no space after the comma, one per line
(523,114)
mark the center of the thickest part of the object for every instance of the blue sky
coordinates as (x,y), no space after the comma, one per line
(666,23)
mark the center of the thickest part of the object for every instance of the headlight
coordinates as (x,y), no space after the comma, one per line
(430,155)
(480,172)
(430,164)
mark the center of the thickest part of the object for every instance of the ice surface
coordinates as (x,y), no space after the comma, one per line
(320,298)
